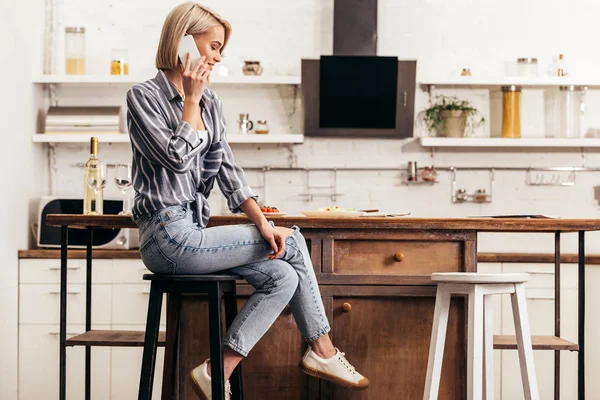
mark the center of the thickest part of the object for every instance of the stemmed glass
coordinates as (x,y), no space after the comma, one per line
(96,180)
(124,182)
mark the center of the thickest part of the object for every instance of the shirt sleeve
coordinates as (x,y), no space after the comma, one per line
(230,177)
(150,134)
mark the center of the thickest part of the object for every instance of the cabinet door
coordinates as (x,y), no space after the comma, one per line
(540,308)
(39,364)
(40,304)
(387,339)
(126,368)
(271,369)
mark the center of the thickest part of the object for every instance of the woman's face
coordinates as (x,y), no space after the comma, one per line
(210,44)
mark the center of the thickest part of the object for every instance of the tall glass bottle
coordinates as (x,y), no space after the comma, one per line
(92,200)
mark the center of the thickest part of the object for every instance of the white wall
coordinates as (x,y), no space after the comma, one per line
(443,36)
(22,166)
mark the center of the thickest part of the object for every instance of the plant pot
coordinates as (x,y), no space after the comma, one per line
(453,123)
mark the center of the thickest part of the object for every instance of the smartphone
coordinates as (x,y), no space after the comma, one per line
(187,45)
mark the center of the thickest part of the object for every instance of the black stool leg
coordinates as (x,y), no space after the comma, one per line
(231,310)
(216,342)
(150,342)
(171,347)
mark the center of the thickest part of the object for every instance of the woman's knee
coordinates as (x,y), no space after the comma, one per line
(287,278)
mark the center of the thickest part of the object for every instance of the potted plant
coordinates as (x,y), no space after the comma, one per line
(451,117)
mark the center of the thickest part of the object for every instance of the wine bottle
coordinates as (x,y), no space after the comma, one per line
(92,201)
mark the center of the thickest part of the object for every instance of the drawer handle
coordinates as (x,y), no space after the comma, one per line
(146,292)
(399,257)
(58,292)
(68,268)
(68,333)
(346,307)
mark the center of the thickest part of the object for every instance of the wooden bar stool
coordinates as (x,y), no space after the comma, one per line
(478,288)
(218,288)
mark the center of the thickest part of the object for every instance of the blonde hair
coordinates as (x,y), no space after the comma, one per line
(191,18)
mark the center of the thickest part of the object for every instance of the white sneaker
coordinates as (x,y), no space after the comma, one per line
(335,369)
(201,382)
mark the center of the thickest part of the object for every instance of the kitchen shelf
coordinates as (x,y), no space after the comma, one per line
(538,343)
(124,138)
(131,80)
(508,143)
(493,82)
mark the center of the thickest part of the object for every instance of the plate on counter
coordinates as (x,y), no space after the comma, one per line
(382,214)
(333,214)
(270,214)
(273,214)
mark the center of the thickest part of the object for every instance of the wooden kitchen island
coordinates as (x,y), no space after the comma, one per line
(374,276)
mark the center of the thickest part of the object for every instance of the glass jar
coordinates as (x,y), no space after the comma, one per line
(563,108)
(262,127)
(527,66)
(252,68)
(571,111)
(74,50)
(119,62)
(511,111)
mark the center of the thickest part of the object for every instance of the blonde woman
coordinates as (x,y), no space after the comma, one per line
(180,149)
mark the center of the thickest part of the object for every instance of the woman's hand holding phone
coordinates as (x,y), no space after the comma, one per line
(194,77)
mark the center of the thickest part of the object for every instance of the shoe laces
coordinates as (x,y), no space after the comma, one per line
(228,390)
(345,363)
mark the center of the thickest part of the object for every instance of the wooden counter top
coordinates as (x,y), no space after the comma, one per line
(546,258)
(418,224)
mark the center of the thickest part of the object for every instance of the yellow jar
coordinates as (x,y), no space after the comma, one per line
(511,111)
(119,64)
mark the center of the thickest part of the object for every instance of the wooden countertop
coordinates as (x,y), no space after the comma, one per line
(454,224)
(544,258)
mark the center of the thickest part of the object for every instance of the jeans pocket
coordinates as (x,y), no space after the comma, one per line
(154,259)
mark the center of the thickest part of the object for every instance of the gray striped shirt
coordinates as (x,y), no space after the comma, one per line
(174,164)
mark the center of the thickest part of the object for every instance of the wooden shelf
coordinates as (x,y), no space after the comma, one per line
(538,82)
(124,138)
(538,342)
(508,143)
(131,80)
(112,338)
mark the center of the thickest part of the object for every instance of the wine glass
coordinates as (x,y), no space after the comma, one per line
(96,180)
(124,182)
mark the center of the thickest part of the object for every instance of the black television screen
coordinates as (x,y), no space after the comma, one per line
(358,92)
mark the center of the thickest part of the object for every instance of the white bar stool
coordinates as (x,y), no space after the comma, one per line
(479,287)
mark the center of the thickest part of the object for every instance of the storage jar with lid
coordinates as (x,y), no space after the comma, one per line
(511,111)
(563,108)
(527,66)
(261,127)
(74,50)
(571,111)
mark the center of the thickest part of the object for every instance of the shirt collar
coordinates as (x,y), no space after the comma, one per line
(166,85)
(170,90)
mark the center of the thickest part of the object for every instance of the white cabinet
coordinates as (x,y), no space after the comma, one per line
(39,362)
(126,366)
(119,301)
(540,307)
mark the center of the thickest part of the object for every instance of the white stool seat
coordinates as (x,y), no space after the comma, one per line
(479,289)
(476,277)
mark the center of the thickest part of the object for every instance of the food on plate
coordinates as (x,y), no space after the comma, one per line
(335,209)
(269,209)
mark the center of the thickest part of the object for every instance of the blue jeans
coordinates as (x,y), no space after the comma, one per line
(172,243)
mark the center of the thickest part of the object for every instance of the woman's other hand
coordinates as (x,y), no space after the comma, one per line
(194,78)
(276,238)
